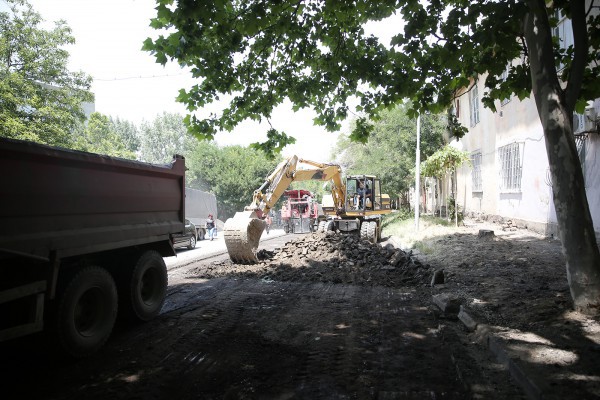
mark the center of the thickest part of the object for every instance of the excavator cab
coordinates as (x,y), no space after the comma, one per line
(363,192)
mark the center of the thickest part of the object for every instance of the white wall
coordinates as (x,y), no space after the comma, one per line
(518,121)
(592,177)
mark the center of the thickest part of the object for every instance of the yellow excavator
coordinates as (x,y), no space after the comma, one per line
(355,205)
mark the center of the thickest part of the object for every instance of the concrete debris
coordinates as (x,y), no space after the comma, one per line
(448,304)
(485,234)
(330,257)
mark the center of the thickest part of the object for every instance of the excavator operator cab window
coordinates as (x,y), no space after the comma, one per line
(377,195)
(368,203)
(351,186)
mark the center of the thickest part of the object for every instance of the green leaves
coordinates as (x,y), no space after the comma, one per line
(444,161)
(99,136)
(390,150)
(276,141)
(40,99)
(318,56)
(232,173)
(362,129)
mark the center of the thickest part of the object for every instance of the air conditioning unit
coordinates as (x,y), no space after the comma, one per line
(592,119)
(578,123)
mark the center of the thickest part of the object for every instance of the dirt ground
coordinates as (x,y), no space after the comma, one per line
(514,283)
(329,316)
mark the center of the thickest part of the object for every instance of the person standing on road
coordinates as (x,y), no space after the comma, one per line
(210,226)
(268,220)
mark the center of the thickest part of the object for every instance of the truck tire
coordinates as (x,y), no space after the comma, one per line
(144,293)
(322,226)
(371,231)
(87,310)
(363,230)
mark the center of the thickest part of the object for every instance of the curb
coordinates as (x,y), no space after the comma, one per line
(527,383)
(531,386)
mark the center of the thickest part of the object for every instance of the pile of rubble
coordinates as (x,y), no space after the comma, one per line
(329,257)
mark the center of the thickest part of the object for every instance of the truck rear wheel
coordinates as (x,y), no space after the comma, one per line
(143,294)
(87,311)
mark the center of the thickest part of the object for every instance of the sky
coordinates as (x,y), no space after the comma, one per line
(129,84)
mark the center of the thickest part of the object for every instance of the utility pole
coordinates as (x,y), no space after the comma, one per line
(418,174)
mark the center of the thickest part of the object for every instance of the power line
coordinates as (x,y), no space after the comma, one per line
(137,77)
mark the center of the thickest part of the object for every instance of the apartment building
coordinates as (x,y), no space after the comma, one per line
(510,176)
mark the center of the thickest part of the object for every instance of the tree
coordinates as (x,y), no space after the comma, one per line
(317,55)
(390,151)
(127,131)
(443,162)
(40,99)
(99,137)
(164,137)
(232,173)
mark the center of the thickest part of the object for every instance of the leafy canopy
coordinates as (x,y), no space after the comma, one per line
(390,151)
(163,137)
(445,160)
(232,173)
(99,136)
(40,99)
(255,54)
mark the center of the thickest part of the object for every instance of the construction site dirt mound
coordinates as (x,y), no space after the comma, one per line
(328,257)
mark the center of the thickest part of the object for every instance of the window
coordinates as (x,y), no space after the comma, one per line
(457,109)
(474,105)
(564,33)
(477,185)
(511,167)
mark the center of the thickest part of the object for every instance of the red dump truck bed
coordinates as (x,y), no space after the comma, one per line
(77,203)
(83,235)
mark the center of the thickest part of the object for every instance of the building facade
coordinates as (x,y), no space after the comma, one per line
(510,176)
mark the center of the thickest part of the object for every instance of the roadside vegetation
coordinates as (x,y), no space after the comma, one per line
(401,225)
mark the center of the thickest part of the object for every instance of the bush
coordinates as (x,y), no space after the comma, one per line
(451,208)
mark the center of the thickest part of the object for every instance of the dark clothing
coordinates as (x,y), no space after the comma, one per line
(210,223)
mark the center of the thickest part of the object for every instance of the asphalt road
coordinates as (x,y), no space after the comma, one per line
(230,338)
(211,248)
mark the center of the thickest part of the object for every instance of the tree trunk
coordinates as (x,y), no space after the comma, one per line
(555,108)
(438,189)
(455,190)
(448,218)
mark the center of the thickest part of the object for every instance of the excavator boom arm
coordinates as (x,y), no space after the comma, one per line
(242,232)
(287,172)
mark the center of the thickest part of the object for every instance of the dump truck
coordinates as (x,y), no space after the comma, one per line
(299,213)
(82,238)
(355,205)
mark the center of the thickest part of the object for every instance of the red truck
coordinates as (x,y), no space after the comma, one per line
(299,212)
(82,237)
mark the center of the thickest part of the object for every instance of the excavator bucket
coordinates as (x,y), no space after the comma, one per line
(242,234)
